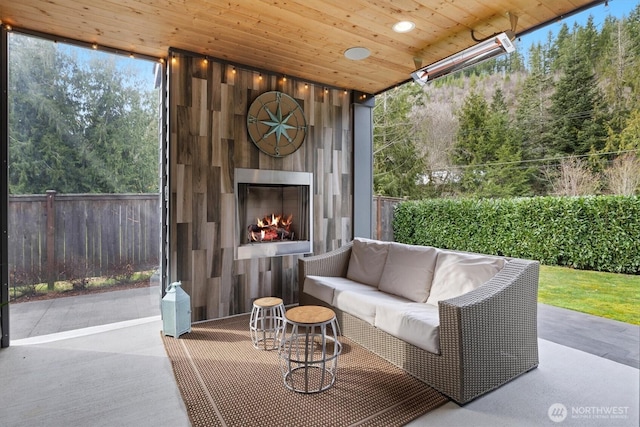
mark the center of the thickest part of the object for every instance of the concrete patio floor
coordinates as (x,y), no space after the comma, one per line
(606,338)
(45,317)
(117,374)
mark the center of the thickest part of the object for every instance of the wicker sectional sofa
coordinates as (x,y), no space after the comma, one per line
(463,323)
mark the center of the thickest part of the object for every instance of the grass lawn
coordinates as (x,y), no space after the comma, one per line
(610,295)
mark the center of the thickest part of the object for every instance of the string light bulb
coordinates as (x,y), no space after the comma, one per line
(95,45)
(259,76)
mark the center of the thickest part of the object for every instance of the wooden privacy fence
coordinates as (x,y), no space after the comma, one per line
(74,236)
(382,209)
(71,236)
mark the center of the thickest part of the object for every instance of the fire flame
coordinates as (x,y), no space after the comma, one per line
(271,227)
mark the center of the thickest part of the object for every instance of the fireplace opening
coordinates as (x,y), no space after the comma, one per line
(274,213)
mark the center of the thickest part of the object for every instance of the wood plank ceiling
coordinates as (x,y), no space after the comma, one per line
(301,38)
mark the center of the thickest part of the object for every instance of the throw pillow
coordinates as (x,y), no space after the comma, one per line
(459,273)
(367,261)
(408,271)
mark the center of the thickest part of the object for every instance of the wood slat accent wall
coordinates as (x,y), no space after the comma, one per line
(208,101)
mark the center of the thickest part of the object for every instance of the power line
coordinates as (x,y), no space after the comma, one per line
(546,159)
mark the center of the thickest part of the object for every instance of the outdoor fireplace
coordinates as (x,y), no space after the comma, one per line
(273,210)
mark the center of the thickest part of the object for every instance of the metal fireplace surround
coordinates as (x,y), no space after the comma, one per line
(264,192)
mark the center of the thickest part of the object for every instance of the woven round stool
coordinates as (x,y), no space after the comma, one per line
(267,323)
(308,357)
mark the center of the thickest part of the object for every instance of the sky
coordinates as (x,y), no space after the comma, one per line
(616,8)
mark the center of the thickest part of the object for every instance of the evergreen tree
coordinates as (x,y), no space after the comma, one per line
(472,149)
(472,134)
(504,176)
(398,167)
(118,126)
(623,95)
(558,49)
(632,28)
(577,118)
(514,63)
(629,137)
(589,41)
(579,94)
(618,67)
(42,129)
(488,148)
(532,112)
(78,126)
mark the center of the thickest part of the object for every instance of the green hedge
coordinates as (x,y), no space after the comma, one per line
(599,233)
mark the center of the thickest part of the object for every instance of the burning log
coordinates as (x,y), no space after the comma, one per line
(271,228)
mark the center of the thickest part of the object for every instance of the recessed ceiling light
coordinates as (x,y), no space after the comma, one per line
(357,53)
(403,26)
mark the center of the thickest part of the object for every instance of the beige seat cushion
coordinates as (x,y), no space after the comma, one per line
(458,273)
(415,323)
(363,303)
(367,261)
(408,271)
(324,287)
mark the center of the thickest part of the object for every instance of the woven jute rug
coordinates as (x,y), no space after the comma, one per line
(225,381)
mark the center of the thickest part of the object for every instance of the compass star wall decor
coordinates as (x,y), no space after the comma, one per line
(276,124)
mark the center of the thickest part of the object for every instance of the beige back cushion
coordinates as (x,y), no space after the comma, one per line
(367,261)
(408,271)
(458,273)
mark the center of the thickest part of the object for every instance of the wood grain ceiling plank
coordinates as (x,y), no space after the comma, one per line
(379,15)
(323,48)
(277,34)
(402,55)
(117,27)
(531,14)
(491,17)
(115,37)
(331,38)
(319,73)
(406,52)
(88,17)
(258,57)
(312,72)
(325,62)
(258,31)
(467,19)
(425,33)
(370,32)
(436,40)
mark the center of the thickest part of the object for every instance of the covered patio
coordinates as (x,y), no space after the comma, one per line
(217,58)
(119,374)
